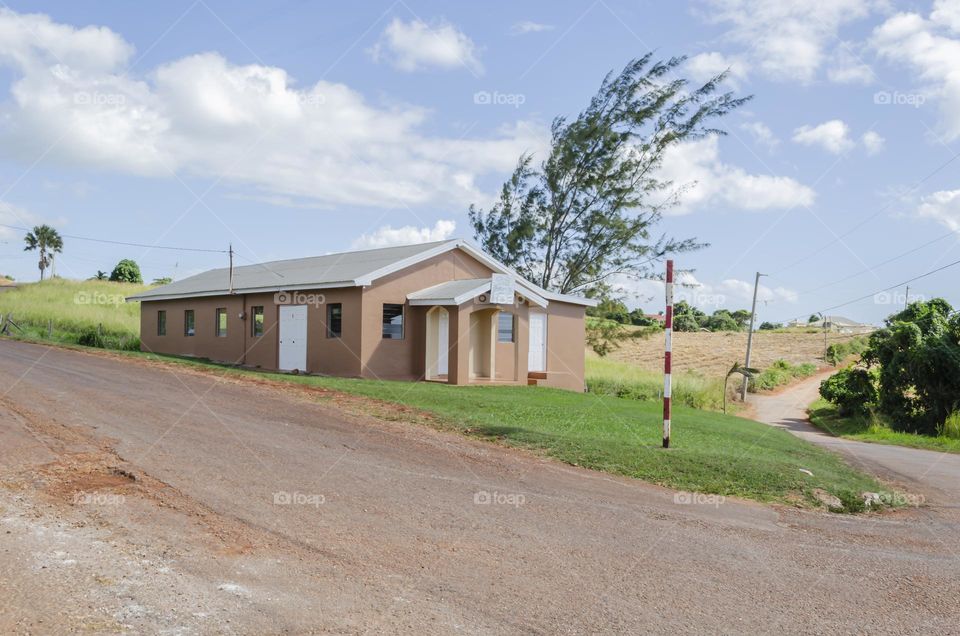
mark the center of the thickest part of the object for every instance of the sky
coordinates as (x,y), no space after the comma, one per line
(298,128)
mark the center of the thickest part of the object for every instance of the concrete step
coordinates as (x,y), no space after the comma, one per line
(537,375)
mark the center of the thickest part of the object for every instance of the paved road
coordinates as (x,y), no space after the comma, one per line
(934,474)
(147,499)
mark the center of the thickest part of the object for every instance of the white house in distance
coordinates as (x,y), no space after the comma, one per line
(837,324)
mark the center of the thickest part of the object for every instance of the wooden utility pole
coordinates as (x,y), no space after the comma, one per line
(753,316)
(231,268)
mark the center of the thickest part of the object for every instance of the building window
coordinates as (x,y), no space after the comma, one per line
(256,325)
(161,323)
(188,323)
(504,327)
(392,321)
(221,322)
(334,320)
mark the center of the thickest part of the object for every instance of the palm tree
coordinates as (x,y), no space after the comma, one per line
(48,241)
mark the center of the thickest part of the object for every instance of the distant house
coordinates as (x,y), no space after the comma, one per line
(6,284)
(838,324)
(443,311)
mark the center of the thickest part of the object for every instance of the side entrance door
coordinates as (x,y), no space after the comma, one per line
(537,359)
(443,341)
(293,338)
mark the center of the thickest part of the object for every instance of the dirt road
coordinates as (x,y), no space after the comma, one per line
(147,500)
(934,474)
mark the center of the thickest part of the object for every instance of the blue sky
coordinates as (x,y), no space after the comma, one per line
(300,128)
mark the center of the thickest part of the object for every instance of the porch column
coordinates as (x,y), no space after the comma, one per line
(458,362)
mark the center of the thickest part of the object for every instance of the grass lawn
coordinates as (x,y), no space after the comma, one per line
(712,453)
(866,429)
(622,379)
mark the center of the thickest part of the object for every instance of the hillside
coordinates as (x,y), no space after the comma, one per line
(74,306)
(712,354)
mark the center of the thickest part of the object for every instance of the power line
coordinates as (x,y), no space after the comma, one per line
(839,237)
(900,284)
(881,264)
(110,242)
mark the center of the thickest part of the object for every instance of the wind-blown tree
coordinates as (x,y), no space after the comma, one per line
(47,240)
(588,211)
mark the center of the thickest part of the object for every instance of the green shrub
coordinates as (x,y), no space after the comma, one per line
(91,338)
(854,391)
(779,373)
(951,426)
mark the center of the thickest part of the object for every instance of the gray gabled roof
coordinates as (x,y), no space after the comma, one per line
(346,269)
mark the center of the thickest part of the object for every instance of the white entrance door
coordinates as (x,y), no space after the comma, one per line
(443,341)
(293,337)
(537,359)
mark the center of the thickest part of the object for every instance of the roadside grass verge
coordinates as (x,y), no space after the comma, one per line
(624,380)
(77,311)
(711,453)
(780,373)
(871,428)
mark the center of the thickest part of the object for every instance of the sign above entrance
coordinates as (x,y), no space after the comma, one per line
(502,288)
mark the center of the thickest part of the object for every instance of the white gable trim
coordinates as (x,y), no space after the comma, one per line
(541,296)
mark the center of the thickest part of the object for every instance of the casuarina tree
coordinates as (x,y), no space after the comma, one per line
(589,210)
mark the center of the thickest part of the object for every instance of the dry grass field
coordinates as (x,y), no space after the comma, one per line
(712,354)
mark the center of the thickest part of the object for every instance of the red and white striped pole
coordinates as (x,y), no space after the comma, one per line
(668,330)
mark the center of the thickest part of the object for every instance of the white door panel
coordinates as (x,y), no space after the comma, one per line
(537,359)
(293,337)
(443,342)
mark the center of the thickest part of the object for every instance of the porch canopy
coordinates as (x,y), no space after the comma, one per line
(457,292)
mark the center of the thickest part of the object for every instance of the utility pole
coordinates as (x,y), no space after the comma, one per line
(824,319)
(231,268)
(906,298)
(753,316)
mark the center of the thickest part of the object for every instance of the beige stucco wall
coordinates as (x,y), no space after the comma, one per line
(565,346)
(405,358)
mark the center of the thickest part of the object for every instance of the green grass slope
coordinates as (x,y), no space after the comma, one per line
(74,307)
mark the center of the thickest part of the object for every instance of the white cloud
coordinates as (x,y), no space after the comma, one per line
(731,293)
(386,235)
(873,142)
(788,40)
(249,125)
(13,215)
(696,165)
(526,26)
(706,66)
(832,136)
(416,45)
(943,207)
(761,134)
(925,46)
(947,13)
(848,68)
